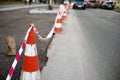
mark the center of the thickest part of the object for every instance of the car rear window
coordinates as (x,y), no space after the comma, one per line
(110,3)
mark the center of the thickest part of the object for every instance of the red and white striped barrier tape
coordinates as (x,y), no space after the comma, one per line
(18,55)
(48,36)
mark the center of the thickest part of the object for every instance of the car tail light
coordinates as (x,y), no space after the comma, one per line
(96,3)
(89,3)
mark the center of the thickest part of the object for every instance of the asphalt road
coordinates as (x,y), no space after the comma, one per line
(102,36)
(87,49)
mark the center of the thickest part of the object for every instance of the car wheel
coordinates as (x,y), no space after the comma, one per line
(84,8)
(74,6)
(112,8)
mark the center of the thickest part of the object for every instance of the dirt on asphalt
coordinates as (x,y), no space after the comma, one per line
(16,23)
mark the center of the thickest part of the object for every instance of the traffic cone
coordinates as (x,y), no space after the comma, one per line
(66,6)
(58,25)
(30,68)
(64,14)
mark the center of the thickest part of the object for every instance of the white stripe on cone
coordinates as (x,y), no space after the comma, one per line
(58,25)
(31,50)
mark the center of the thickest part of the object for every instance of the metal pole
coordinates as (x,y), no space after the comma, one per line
(50,5)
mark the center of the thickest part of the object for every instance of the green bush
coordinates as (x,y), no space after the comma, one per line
(117,6)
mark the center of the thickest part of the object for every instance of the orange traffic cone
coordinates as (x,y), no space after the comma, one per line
(58,25)
(64,14)
(30,68)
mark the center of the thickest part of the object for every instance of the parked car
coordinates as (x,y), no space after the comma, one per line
(79,5)
(92,4)
(100,4)
(106,5)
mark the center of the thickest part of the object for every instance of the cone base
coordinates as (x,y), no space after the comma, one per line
(30,75)
(57,30)
(64,17)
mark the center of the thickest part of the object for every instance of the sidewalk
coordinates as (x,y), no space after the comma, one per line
(15,7)
(65,58)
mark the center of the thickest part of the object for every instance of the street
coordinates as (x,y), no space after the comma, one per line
(88,48)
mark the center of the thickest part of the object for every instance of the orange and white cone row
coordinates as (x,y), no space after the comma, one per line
(30,68)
